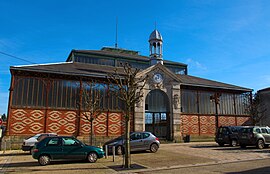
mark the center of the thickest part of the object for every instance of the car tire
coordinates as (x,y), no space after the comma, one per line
(119,150)
(44,160)
(221,144)
(92,157)
(154,148)
(233,142)
(260,144)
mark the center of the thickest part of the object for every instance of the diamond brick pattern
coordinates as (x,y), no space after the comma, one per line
(190,124)
(227,121)
(26,121)
(61,122)
(207,124)
(29,121)
(111,124)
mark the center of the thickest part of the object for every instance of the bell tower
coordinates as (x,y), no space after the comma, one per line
(155,46)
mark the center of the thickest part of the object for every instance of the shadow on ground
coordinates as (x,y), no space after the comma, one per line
(263,170)
(14,154)
(132,167)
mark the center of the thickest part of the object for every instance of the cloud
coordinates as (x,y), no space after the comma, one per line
(195,64)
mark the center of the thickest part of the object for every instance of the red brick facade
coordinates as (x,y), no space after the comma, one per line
(205,125)
(62,122)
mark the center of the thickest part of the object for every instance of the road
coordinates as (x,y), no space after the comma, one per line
(171,158)
(246,167)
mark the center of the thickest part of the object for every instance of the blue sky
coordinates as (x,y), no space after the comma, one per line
(226,41)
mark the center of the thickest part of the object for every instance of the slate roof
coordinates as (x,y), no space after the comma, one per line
(120,55)
(70,68)
(83,69)
(197,81)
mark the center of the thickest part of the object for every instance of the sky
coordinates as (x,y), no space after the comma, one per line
(222,40)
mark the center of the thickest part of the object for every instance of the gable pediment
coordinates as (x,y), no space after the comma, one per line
(159,75)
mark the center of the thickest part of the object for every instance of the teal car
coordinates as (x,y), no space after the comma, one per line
(65,148)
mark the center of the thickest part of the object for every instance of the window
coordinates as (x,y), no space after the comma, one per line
(163,116)
(54,142)
(264,130)
(136,136)
(146,135)
(70,142)
(198,101)
(268,130)
(29,92)
(148,118)
(258,130)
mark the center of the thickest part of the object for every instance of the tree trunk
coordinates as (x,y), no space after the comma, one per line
(91,134)
(127,144)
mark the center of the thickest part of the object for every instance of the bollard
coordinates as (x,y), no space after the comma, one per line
(106,151)
(113,151)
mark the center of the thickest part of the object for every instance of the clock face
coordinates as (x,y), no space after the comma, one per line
(157,78)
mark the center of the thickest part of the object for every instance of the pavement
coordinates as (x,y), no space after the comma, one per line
(169,156)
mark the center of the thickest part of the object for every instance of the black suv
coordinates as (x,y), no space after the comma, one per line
(254,136)
(227,135)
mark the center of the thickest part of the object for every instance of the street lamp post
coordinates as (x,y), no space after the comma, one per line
(215,98)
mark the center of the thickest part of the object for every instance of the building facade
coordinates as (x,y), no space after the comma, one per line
(264,107)
(44,98)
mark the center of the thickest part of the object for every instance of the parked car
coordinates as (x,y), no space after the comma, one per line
(227,135)
(139,141)
(254,136)
(30,142)
(65,148)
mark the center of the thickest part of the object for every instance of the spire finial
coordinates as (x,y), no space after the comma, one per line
(155,25)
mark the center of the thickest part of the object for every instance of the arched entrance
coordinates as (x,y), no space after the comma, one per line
(157,114)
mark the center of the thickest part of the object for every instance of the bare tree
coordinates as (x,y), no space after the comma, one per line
(256,109)
(129,89)
(91,103)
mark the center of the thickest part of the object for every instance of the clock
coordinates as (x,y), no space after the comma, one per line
(157,78)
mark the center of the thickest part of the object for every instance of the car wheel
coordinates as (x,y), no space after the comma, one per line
(233,142)
(154,148)
(92,157)
(221,144)
(260,144)
(44,160)
(119,150)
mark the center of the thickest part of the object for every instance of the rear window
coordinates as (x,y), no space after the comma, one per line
(146,135)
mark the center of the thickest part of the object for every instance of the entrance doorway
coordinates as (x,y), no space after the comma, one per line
(157,117)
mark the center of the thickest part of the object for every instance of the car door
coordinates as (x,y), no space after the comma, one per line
(266,135)
(147,140)
(72,148)
(136,142)
(223,135)
(53,148)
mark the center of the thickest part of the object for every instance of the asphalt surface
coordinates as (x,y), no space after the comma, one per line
(170,158)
